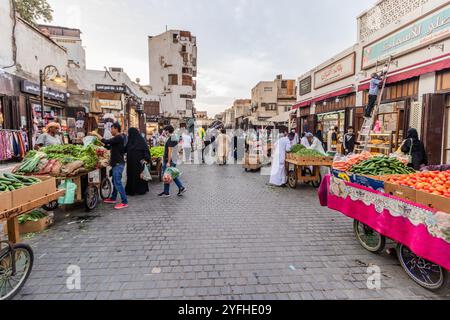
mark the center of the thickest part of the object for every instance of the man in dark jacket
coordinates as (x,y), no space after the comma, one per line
(349,141)
(117,146)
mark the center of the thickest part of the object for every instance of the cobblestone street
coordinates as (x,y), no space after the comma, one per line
(230,237)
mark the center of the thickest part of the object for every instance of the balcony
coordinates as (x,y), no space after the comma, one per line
(187,81)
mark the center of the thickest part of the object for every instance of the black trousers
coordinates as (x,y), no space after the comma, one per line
(371,105)
(207,143)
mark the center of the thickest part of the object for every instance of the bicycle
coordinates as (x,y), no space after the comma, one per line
(16,263)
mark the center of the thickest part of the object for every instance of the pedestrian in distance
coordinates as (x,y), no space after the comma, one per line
(223,147)
(349,141)
(186,139)
(170,160)
(117,145)
(138,156)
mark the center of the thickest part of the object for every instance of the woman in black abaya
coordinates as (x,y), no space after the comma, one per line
(137,153)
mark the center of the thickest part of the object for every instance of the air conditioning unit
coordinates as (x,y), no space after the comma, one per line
(116,69)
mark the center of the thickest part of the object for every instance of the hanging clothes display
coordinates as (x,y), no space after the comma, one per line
(13,144)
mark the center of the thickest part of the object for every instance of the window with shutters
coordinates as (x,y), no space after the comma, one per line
(173,79)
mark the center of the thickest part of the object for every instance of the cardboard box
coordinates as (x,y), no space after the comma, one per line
(402,192)
(36,191)
(436,202)
(5,201)
(31,226)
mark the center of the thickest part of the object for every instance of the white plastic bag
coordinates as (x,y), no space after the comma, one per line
(146,176)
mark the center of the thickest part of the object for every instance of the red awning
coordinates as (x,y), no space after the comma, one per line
(301,105)
(437,66)
(334,94)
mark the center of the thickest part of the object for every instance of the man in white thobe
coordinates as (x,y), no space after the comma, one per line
(316,144)
(278,173)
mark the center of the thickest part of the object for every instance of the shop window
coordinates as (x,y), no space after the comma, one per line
(271,107)
(443,81)
(173,80)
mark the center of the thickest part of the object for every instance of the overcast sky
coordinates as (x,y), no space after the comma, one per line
(240,42)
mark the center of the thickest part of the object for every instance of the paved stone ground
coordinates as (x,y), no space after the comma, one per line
(230,237)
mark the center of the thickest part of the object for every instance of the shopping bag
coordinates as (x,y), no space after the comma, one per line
(71,190)
(145,175)
(171,174)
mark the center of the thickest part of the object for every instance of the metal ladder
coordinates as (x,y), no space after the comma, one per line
(366,129)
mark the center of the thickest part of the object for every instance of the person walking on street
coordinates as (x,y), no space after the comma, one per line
(223,147)
(170,160)
(186,139)
(138,156)
(349,141)
(415,148)
(117,146)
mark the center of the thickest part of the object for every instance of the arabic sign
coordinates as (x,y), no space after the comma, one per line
(35,89)
(425,31)
(112,88)
(109,104)
(339,70)
(305,86)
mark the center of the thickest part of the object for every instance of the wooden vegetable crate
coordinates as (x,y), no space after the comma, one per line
(309,160)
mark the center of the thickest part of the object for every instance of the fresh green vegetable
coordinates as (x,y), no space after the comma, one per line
(11,182)
(71,153)
(379,166)
(33,216)
(157,152)
(307,152)
(31,162)
(297,148)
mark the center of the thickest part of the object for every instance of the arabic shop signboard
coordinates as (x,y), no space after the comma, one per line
(423,32)
(35,89)
(339,70)
(109,104)
(305,86)
(112,88)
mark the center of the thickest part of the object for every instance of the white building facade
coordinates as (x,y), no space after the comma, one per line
(173,69)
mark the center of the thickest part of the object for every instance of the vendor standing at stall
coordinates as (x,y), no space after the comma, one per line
(278,172)
(50,137)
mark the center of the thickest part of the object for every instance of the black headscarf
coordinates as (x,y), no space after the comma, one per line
(135,140)
(414,136)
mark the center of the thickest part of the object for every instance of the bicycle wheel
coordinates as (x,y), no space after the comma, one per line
(11,284)
(425,273)
(91,198)
(105,189)
(371,240)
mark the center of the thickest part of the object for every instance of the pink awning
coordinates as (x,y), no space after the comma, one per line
(434,67)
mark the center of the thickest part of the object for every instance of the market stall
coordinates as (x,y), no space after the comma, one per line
(305,165)
(157,154)
(22,194)
(76,167)
(388,200)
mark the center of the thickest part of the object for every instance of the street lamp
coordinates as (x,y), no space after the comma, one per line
(45,75)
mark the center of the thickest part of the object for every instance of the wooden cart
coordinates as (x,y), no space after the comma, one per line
(156,168)
(299,169)
(11,216)
(252,162)
(91,186)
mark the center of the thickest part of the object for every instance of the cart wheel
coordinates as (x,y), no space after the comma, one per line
(316,184)
(371,240)
(423,272)
(51,206)
(105,189)
(292,179)
(246,170)
(91,198)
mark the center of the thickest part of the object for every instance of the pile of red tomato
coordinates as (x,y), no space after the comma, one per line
(434,182)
